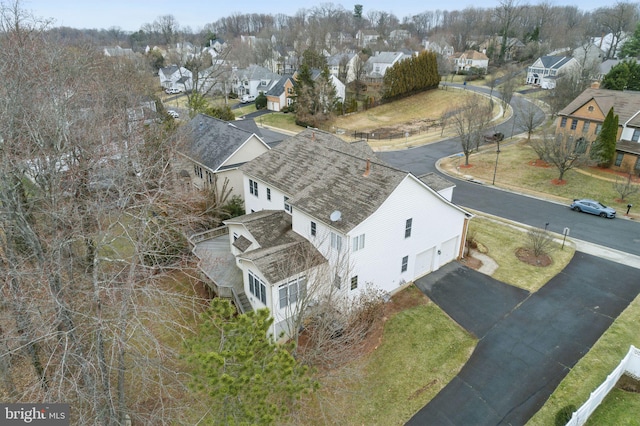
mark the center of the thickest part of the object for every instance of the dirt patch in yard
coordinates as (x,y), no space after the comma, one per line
(472,262)
(527,256)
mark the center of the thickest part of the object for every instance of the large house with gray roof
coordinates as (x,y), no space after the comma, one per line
(547,69)
(581,122)
(322,210)
(212,150)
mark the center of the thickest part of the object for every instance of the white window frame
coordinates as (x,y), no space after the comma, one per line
(336,241)
(257,287)
(289,293)
(408,225)
(405,264)
(358,242)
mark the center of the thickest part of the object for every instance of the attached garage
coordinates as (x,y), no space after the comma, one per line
(424,262)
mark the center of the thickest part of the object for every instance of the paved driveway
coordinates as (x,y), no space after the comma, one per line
(528,342)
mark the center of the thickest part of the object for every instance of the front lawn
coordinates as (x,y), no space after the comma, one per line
(501,242)
(420,351)
(516,171)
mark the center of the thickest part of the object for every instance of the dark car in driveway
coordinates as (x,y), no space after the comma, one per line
(594,207)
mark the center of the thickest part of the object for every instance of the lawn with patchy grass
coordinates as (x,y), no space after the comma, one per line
(593,369)
(421,350)
(426,105)
(502,241)
(280,120)
(515,171)
(620,408)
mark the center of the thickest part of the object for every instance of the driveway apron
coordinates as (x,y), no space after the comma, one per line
(528,342)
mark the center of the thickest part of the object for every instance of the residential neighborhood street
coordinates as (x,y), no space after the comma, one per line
(528,342)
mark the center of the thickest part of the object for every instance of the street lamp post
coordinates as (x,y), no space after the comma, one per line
(513,125)
(495,170)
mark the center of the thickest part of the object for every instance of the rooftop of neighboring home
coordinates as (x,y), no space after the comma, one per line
(626,104)
(211,141)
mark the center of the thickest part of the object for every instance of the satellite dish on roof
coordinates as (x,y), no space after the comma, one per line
(335,216)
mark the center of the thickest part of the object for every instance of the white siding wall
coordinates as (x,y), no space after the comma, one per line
(252,148)
(434,222)
(261,202)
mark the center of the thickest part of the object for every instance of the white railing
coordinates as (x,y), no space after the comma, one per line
(630,365)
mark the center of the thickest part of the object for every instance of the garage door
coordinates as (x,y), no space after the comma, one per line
(449,250)
(424,262)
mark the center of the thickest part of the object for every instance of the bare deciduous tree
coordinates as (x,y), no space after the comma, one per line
(561,151)
(528,118)
(470,122)
(626,187)
(90,229)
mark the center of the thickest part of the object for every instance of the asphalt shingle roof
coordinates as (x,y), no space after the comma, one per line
(625,104)
(321,174)
(211,141)
(282,251)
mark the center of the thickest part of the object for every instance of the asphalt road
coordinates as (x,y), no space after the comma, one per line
(620,234)
(528,342)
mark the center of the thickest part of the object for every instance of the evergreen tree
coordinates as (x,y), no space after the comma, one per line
(249,378)
(631,47)
(625,75)
(604,148)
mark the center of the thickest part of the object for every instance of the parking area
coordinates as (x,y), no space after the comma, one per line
(528,342)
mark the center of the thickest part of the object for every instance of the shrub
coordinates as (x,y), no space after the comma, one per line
(564,415)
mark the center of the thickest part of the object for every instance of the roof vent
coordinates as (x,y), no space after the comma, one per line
(335,216)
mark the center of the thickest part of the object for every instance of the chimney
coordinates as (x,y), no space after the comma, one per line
(313,136)
(367,170)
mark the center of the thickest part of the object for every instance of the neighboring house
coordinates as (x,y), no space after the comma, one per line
(281,94)
(342,65)
(366,37)
(582,121)
(337,84)
(399,35)
(463,62)
(378,64)
(175,77)
(605,67)
(442,48)
(590,57)
(493,45)
(212,150)
(118,52)
(253,80)
(545,70)
(322,209)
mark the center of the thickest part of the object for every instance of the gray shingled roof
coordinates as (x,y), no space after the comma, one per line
(435,182)
(282,251)
(555,62)
(625,104)
(211,141)
(321,174)
(278,88)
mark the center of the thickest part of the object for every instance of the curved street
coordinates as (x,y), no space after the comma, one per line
(528,342)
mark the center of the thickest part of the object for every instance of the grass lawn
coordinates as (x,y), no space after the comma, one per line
(621,408)
(593,369)
(420,352)
(280,121)
(515,172)
(502,241)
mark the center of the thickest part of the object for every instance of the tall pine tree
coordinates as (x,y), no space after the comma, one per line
(604,148)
